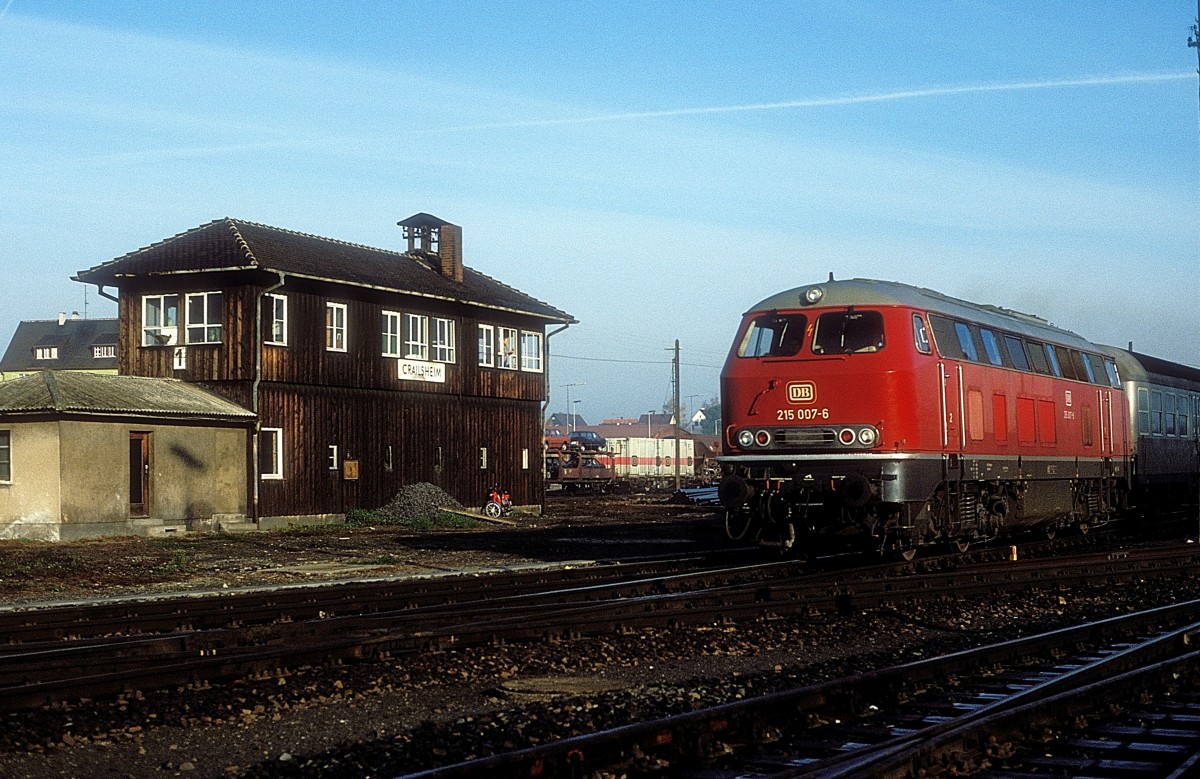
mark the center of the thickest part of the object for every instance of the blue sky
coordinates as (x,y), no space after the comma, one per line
(654,169)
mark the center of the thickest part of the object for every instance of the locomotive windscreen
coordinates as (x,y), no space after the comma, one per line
(773,335)
(846,332)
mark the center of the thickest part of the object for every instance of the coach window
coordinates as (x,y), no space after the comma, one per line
(1156,413)
(848,332)
(991,346)
(1016,352)
(1182,413)
(1169,414)
(921,335)
(966,342)
(1037,357)
(1143,411)
(773,335)
(1052,358)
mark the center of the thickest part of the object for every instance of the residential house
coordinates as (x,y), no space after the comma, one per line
(65,344)
(84,454)
(367,369)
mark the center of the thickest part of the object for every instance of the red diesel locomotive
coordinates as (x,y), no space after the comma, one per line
(870,413)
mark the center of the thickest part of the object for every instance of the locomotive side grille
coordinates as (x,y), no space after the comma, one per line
(805,436)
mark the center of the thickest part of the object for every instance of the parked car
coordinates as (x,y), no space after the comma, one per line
(555,438)
(586,439)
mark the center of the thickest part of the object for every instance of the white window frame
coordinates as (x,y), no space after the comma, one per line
(483,458)
(278,332)
(416,336)
(45,353)
(487,345)
(391,333)
(332,457)
(531,351)
(210,331)
(442,341)
(163,329)
(506,348)
(102,352)
(335,327)
(275,437)
(5,457)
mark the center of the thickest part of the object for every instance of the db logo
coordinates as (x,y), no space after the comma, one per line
(801,392)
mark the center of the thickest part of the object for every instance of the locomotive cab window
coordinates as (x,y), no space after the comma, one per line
(773,335)
(848,332)
(921,335)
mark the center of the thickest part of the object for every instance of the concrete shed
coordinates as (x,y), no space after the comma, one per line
(85,455)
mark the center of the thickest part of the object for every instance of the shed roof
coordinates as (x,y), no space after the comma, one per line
(74,339)
(54,393)
(235,244)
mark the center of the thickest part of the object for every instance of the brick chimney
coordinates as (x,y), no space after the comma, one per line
(437,242)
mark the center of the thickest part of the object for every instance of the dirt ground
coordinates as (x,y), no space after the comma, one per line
(576,528)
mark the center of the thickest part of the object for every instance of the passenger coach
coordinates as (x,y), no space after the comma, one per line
(872,412)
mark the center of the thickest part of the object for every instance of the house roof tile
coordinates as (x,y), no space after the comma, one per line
(235,244)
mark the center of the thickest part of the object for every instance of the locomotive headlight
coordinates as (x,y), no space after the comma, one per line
(868,436)
(813,294)
(762,438)
(745,439)
(846,436)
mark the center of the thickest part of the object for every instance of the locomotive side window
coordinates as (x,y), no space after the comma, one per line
(1055,365)
(945,338)
(1016,351)
(966,342)
(921,335)
(773,335)
(1114,379)
(1037,357)
(1082,366)
(847,332)
(991,346)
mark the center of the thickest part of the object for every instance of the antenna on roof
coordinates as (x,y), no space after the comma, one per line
(831,275)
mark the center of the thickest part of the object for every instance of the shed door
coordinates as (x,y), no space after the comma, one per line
(139,474)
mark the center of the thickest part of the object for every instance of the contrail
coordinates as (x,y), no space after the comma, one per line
(5,10)
(906,94)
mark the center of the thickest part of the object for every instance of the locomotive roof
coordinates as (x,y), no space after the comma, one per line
(869,292)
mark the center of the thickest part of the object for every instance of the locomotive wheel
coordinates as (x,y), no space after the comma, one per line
(737,523)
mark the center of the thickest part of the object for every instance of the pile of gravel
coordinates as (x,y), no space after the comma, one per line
(418,501)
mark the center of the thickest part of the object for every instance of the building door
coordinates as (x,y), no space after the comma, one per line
(139,474)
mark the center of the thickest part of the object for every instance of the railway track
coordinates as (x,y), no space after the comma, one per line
(219,638)
(978,711)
